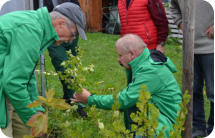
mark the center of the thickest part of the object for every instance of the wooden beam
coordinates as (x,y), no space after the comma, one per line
(188,59)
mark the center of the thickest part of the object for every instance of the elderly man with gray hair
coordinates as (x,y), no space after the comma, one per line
(151,69)
(24,35)
(58,54)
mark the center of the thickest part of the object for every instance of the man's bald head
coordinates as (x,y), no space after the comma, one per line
(131,42)
(128,48)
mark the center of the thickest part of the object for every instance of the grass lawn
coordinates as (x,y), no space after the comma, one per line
(100,50)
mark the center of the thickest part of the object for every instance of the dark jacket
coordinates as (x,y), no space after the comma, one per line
(50,6)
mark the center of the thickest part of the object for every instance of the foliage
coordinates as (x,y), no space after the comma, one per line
(116,128)
(179,125)
(40,124)
(146,119)
(75,72)
(108,78)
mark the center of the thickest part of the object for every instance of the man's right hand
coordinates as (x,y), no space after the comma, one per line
(81,97)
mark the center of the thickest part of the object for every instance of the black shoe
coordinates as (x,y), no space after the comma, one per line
(81,112)
(80,109)
(198,132)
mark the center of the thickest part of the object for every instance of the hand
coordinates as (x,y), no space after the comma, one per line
(81,97)
(32,120)
(181,26)
(210,32)
(160,48)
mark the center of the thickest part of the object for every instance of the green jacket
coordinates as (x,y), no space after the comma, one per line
(160,82)
(24,35)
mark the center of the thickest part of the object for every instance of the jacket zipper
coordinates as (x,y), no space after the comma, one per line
(147,33)
(127,17)
(127,11)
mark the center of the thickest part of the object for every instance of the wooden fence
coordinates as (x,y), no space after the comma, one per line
(175,31)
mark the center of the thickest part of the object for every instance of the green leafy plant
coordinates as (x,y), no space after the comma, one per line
(179,125)
(66,123)
(146,119)
(75,72)
(116,128)
(40,125)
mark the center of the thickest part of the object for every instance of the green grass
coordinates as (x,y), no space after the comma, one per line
(100,50)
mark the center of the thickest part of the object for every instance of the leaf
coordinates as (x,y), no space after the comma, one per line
(50,95)
(61,105)
(41,99)
(116,114)
(34,104)
(27,136)
(39,124)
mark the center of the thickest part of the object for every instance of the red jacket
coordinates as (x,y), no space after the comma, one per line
(146,18)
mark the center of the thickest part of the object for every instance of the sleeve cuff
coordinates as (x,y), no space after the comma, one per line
(90,100)
(40,108)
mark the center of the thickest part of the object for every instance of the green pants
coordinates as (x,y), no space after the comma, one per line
(15,128)
(58,55)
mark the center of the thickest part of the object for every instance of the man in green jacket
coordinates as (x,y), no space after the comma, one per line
(24,35)
(151,69)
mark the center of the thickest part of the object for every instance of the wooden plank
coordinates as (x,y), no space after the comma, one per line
(168,12)
(171,21)
(176,36)
(169,16)
(173,26)
(177,31)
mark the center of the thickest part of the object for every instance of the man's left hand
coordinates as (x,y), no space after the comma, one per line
(210,32)
(160,48)
(34,129)
(81,97)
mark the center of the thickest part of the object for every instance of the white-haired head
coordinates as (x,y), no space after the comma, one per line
(128,48)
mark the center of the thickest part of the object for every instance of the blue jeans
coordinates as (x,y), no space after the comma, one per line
(203,72)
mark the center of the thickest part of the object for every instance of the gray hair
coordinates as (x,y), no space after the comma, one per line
(56,15)
(131,42)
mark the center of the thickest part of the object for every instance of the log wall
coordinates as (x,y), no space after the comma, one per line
(93,13)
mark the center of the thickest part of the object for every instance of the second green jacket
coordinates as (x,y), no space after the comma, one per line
(160,82)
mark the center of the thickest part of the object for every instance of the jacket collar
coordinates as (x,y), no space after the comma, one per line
(134,64)
(138,61)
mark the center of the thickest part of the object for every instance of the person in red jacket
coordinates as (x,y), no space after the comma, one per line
(145,18)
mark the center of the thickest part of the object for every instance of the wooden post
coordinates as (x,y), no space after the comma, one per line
(188,60)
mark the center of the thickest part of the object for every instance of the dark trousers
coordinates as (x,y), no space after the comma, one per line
(58,55)
(203,73)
